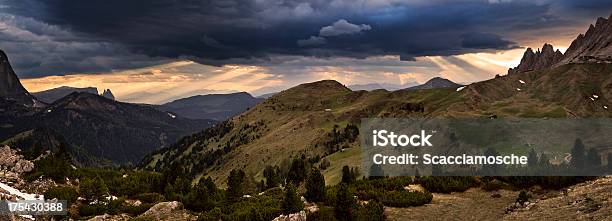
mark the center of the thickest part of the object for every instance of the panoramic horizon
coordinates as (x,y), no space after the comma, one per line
(386,42)
(313,110)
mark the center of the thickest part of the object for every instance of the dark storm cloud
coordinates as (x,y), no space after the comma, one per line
(479,40)
(246,31)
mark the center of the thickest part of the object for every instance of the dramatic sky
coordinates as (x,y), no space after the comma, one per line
(157,50)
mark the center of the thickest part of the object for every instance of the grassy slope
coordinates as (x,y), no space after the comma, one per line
(295,121)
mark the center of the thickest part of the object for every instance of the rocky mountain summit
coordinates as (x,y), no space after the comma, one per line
(595,46)
(108,94)
(10,87)
(539,60)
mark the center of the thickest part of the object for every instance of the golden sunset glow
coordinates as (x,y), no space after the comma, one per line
(163,83)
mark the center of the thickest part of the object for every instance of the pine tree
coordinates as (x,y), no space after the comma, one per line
(235,184)
(315,186)
(324,164)
(93,189)
(578,156)
(348,175)
(297,172)
(169,192)
(291,201)
(210,185)
(345,203)
(522,197)
(376,172)
(199,198)
(532,158)
(373,211)
(593,158)
(272,176)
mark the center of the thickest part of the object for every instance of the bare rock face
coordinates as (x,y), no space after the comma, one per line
(12,161)
(108,94)
(107,217)
(163,207)
(594,46)
(539,60)
(300,216)
(167,211)
(10,86)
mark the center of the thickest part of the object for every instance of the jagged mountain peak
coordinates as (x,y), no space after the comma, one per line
(547,48)
(108,94)
(594,46)
(538,60)
(10,86)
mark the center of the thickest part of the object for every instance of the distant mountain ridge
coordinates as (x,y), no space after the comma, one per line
(54,94)
(267,95)
(595,46)
(377,86)
(100,129)
(96,130)
(436,83)
(212,106)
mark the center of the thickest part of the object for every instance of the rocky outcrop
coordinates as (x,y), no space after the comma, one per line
(594,46)
(11,161)
(167,211)
(108,94)
(163,207)
(107,217)
(300,216)
(539,60)
(10,86)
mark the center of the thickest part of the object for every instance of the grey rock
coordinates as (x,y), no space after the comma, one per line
(10,86)
(539,60)
(108,94)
